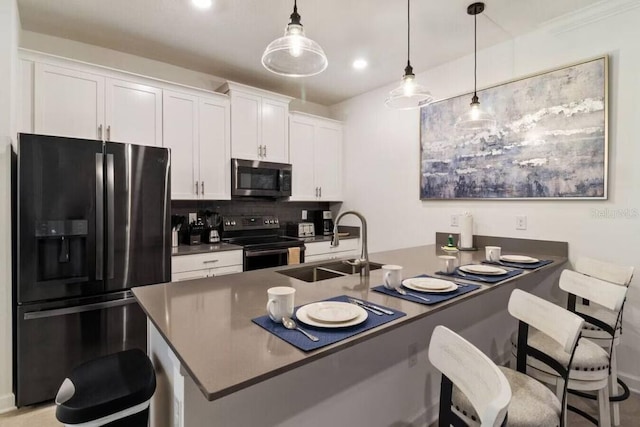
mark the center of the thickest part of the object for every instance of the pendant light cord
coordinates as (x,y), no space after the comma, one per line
(408,32)
(475,55)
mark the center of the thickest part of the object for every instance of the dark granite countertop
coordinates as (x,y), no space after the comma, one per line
(203,248)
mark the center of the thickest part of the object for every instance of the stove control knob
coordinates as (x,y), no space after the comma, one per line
(227,223)
(266,221)
(275,220)
(233,223)
(270,221)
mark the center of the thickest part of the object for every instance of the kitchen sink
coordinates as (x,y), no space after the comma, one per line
(329,270)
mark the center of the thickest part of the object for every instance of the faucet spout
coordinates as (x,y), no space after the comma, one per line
(363,262)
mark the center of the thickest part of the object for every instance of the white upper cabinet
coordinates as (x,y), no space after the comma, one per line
(78,104)
(259,129)
(133,113)
(215,148)
(68,102)
(196,129)
(315,149)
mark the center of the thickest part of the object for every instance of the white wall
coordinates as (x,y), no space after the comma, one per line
(381,165)
(9,25)
(139,65)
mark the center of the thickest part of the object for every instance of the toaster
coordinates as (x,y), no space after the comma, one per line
(301,229)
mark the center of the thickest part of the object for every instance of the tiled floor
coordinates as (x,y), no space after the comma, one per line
(44,416)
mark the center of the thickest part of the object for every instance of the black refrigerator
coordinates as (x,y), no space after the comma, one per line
(92,220)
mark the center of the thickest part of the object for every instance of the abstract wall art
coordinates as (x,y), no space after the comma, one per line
(550,141)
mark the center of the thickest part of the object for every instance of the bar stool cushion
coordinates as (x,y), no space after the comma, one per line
(532,403)
(590,362)
(105,386)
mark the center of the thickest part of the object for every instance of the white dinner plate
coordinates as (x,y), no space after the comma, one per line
(519,258)
(483,269)
(303,316)
(332,311)
(428,283)
(410,285)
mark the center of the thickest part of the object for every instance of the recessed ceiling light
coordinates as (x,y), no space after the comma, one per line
(202,4)
(360,64)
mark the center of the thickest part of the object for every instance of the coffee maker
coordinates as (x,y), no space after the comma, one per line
(323,222)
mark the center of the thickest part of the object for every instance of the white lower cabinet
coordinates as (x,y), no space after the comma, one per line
(321,251)
(188,267)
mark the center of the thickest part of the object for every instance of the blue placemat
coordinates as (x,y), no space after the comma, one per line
(434,298)
(526,266)
(327,335)
(480,277)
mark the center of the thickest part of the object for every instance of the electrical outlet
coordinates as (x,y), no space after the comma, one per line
(413,355)
(521,222)
(304,214)
(455,220)
(192,217)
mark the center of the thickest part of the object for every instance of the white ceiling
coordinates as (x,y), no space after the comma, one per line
(228,39)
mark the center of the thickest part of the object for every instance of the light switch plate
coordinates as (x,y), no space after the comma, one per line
(304,214)
(521,222)
(455,220)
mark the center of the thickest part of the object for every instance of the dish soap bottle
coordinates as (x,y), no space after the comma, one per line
(450,243)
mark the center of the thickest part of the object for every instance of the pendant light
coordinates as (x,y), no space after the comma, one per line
(410,94)
(294,55)
(475,119)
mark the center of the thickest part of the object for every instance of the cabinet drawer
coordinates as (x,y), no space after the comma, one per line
(319,248)
(209,272)
(205,261)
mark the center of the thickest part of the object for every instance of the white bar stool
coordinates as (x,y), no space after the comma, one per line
(532,403)
(473,373)
(620,275)
(589,369)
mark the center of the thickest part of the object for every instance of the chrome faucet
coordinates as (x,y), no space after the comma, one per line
(363,262)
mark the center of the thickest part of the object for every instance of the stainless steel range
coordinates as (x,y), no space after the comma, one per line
(260,239)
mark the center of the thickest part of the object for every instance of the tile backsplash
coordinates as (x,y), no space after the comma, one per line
(285,211)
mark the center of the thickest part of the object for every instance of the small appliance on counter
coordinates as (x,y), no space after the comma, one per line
(323,221)
(301,229)
(212,222)
(196,228)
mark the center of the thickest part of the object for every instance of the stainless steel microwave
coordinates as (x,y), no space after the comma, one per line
(260,179)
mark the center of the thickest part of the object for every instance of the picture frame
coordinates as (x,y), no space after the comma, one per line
(550,141)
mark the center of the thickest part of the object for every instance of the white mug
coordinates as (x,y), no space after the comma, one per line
(392,276)
(492,253)
(280,302)
(448,263)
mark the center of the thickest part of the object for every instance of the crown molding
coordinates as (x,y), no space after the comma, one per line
(599,11)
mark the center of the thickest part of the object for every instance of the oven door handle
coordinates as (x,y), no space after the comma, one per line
(254,253)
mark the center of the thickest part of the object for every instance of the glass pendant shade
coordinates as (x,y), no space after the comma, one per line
(476,119)
(294,55)
(409,95)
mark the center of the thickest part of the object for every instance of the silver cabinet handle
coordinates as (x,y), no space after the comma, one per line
(196,188)
(264,150)
(99,131)
(202,185)
(211,261)
(259,150)
(109,133)
(320,191)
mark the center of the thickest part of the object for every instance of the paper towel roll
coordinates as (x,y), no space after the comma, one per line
(466,231)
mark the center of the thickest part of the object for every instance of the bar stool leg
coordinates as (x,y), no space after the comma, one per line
(604,407)
(613,387)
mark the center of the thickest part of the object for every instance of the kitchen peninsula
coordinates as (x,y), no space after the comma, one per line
(216,367)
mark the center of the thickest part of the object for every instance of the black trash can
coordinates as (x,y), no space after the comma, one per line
(114,390)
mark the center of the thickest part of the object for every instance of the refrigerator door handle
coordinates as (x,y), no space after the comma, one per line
(99,216)
(110,216)
(78,309)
